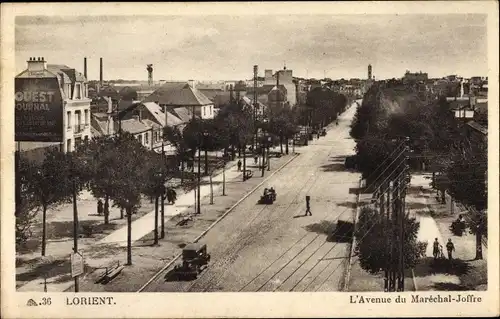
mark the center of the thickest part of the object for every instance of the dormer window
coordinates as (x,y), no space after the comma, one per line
(78,91)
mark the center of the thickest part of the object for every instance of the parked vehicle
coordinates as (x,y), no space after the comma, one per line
(268,197)
(194,260)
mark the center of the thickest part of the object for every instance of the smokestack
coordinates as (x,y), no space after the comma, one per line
(100,72)
(85,68)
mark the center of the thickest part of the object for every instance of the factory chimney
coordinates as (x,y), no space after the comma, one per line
(85,68)
(100,72)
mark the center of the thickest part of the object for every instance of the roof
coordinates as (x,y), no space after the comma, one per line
(183,113)
(134,126)
(478,127)
(178,94)
(194,246)
(159,115)
(99,123)
(72,74)
(211,93)
(45,74)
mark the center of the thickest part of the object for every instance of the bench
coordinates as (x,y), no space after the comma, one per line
(184,220)
(248,174)
(112,270)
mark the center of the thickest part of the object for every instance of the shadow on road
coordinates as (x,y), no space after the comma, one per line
(173,275)
(334,167)
(429,266)
(48,269)
(341,231)
(351,205)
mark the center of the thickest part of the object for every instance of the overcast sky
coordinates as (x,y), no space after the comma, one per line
(227,47)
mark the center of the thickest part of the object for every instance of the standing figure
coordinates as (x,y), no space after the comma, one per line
(435,248)
(255,159)
(308,206)
(100,208)
(239,165)
(450,248)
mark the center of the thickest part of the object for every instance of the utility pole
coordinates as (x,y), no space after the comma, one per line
(75,220)
(255,105)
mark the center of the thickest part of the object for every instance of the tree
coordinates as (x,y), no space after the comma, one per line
(467,183)
(176,137)
(282,123)
(26,207)
(129,180)
(102,160)
(156,176)
(49,184)
(372,235)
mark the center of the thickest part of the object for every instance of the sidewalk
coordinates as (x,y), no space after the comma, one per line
(144,225)
(462,273)
(98,250)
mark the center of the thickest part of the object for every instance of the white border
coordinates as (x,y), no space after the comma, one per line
(181,305)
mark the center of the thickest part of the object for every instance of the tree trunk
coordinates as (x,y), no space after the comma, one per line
(156,222)
(244,164)
(206,162)
(121,213)
(106,209)
(281,144)
(286,146)
(182,171)
(239,150)
(479,245)
(162,203)
(211,191)
(129,236)
(44,229)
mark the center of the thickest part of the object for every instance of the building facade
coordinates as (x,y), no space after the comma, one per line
(75,101)
(285,79)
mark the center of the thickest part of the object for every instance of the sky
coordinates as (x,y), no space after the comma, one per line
(222,47)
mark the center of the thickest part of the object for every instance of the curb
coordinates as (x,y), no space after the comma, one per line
(347,275)
(217,221)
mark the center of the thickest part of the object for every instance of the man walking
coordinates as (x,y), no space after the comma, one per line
(450,248)
(308,206)
(435,248)
(239,165)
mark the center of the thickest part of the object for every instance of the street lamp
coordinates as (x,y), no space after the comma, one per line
(263,146)
(268,157)
(158,180)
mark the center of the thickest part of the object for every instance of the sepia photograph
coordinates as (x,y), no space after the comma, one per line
(248,151)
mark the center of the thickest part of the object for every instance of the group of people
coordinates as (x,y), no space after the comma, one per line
(437,249)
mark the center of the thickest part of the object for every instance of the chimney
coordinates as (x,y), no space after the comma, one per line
(110,105)
(191,84)
(278,79)
(36,64)
(85,68)
(100,72)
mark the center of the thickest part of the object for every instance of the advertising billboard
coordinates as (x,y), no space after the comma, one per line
(38,110)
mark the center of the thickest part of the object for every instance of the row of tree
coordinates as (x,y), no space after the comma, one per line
(120,170)
(437,140)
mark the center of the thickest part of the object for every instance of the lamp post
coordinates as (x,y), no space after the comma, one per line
(224,174)
(163,191)
(75,218)
(268,157)
(157,181)
(263,146)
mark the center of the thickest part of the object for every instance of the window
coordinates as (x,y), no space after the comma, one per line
(68,120)
(68,145)
(139,138)
(78,91)
(204,111)
(146,138)
(86,117)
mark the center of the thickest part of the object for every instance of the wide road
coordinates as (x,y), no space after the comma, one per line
(274,247)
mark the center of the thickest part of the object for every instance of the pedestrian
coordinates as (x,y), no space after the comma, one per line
(100,207)
(435,248)
(450,248)
(239,165)
(174,196)
(308,206)
(255,159)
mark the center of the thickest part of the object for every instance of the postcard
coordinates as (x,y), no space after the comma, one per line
(283,159)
